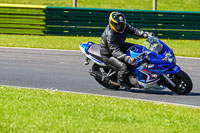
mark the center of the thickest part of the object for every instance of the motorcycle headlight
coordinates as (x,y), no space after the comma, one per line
(169,58)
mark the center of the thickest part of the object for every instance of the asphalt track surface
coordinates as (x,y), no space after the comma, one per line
(65,71)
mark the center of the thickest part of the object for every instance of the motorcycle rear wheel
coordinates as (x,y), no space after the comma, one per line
(183,83)
(98,68)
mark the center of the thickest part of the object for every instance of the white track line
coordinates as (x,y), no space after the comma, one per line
(138,99)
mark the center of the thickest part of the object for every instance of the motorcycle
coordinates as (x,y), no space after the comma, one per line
(155,67)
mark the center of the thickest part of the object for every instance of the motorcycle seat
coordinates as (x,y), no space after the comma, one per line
(94,51)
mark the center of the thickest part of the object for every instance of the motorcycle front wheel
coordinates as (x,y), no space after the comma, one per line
(183,83)
(102,70)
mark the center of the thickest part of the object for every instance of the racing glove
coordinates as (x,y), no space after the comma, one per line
(148,34)
(130,60)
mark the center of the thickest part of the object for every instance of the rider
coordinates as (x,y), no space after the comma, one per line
(113,45)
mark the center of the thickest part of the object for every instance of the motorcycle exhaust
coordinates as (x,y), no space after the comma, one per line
(101,77)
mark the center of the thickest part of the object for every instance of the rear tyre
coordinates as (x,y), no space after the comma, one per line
(103,69)
(183,83)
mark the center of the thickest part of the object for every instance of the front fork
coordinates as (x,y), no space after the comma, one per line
(169,80)
(175,69)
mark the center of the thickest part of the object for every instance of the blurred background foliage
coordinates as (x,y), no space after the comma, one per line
(178,5)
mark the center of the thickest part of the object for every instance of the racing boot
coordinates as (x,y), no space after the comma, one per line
(125,87)
(123,84)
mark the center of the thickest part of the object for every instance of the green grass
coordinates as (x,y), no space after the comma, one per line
(180,5)
(188,48)
(31,110)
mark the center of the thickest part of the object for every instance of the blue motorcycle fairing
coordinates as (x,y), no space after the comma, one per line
(160,66)
(86,46)
(85,49)
(167,49)
(172,69)
(135,50)
(147,75)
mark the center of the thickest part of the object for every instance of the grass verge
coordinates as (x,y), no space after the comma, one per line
(189,48)
(32,110)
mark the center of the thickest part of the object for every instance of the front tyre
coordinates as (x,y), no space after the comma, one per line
(103,69)
(183,83)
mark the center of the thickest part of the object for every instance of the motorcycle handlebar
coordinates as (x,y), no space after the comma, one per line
(144,57)
(141,56)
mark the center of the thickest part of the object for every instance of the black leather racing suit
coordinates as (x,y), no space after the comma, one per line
(113,48)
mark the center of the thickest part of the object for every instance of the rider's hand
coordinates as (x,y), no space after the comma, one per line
(130,60)
(148,34)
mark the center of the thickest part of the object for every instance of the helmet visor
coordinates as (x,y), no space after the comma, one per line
(119,26)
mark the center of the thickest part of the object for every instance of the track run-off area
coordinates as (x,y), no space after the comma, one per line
(64,70)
